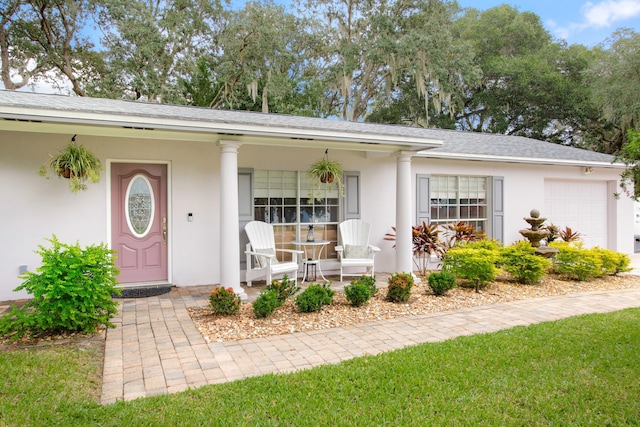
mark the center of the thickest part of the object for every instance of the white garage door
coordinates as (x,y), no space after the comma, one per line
(580,205)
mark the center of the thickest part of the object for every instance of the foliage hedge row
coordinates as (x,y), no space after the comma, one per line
(479,262)
(581,264)
(476,262)
(73,288)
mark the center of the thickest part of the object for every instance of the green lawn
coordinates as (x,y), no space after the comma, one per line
(578,371)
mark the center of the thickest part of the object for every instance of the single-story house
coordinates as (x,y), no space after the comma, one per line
(211,171)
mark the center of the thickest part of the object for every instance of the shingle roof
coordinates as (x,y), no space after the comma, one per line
(507,146)
(199,114)
(456,144)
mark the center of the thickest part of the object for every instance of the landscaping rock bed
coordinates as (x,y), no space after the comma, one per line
(287,319)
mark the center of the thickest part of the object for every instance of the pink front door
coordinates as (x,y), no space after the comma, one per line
(139,229)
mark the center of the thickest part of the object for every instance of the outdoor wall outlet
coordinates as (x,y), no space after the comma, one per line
(190,217)
(23,269)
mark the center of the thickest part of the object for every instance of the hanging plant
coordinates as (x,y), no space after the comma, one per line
(325,172)
(75,163)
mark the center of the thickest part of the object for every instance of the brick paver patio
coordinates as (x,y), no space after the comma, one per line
(156,348)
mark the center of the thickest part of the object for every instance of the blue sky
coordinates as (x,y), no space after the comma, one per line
(576,21)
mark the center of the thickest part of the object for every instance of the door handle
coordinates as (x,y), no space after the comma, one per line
(164,230)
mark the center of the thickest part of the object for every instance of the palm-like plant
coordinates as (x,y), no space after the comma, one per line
(462,232)
(568,235)
(554,232)
(426,242)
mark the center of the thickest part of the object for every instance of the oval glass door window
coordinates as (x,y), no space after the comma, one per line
(140,205)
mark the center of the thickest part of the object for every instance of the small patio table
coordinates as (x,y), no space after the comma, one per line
(312,254)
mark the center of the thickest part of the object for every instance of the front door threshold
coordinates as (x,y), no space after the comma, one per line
(143,290)
(158,284)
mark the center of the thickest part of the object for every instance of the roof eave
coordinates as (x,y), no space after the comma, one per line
(513,159)
(250,134)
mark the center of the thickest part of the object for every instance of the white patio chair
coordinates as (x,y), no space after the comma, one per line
(353,247)
(261,254)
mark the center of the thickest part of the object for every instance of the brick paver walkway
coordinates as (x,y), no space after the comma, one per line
(156,348)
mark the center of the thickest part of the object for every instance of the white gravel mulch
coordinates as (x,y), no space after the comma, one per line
(287,319)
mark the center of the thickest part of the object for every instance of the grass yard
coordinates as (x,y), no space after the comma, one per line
(578,371)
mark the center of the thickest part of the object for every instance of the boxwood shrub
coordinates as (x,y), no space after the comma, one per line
(441,282)
(266,303)
(357,293)
(314,297)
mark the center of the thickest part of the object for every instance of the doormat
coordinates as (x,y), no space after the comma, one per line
(144,292)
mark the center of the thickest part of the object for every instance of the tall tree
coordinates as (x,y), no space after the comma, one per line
(629,154)
(151,44)
(615,78)
(261,63)
(529,84)
(17,59)
(41,36)
(407,107)
(373,44)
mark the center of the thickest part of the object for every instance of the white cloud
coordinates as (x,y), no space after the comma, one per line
(602,15)
(560,32)
(606,13)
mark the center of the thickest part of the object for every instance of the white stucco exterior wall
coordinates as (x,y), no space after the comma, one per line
(524,189)
(33,208)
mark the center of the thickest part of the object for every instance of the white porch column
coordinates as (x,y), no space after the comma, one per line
(229,222)
(404,245)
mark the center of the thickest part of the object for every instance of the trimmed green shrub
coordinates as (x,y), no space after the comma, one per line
(612,262)
(285,288)
(441,282)
(224,301)
(314,297)
(72,292)
(266,303)
(478,265)
(357,293)
(521,262)
(576,262)
(490,245)
(370,281)
(399,289)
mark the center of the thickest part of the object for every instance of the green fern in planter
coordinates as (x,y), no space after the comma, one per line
(76,163)
(325,172)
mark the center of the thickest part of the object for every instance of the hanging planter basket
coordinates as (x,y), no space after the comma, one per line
(325,172)
(327,178)
(75,163)
(65,172)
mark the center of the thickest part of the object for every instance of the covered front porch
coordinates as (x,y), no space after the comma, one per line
(245,197)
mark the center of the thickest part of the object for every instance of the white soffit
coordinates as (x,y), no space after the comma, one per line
(512,159)
(59,121)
